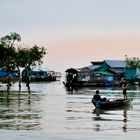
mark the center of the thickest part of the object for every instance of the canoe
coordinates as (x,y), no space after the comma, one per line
(114,103)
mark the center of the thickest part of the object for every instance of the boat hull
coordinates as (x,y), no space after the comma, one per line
(116,103)
(84,84)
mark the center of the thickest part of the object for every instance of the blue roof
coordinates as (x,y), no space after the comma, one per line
(3,73)
(92,67)
(116,63)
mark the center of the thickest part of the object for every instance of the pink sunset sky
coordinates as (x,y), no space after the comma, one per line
(80,51)
(75,32)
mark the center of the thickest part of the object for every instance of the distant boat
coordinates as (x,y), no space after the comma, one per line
(40,75)
(114,103)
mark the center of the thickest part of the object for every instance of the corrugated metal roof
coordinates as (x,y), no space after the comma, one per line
(116,63)
(84,69)
(92,67)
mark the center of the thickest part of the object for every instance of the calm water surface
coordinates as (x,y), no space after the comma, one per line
(49,112)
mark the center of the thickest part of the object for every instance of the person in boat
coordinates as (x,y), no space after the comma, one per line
(96,99)
(124,88)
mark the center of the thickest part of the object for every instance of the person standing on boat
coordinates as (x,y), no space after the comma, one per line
(124,86)
(96,99)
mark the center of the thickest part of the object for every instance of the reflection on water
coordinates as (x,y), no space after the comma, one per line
(98,117)
(17,112)
(125,120)
(49,111)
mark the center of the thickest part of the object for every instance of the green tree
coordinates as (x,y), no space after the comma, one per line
(9,40)
(2,54)
(133,62)
(29,57)
(13,57)
(8,50)
(11,60)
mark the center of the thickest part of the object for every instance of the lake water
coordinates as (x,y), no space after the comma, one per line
(50,112)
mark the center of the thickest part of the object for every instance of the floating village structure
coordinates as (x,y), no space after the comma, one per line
(102,73)
(35,75)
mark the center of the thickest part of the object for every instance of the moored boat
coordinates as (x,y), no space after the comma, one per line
(114,103)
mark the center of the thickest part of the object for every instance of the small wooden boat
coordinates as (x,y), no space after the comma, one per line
(113,103)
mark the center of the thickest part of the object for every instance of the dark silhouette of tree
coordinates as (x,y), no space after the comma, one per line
(13,57)
(8,53)
(30,57)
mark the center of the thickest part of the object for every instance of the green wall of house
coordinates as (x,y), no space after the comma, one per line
(130,73)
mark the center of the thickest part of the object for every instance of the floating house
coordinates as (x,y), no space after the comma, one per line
(110,70)
(100,73)
(37,75)
(132,75)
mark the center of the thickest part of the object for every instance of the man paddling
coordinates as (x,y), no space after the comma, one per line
(96,99)
(124,86)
